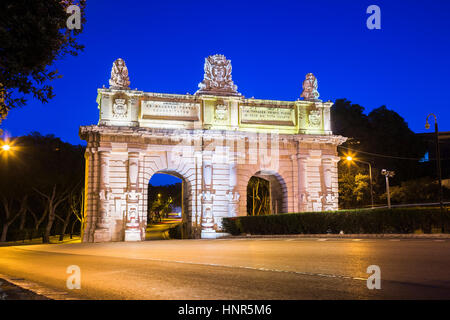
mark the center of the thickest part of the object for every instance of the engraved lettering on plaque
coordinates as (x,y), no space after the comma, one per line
(169,110)
(267,115)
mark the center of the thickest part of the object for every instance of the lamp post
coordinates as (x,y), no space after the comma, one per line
(350,158)
(388,174)
(438,164)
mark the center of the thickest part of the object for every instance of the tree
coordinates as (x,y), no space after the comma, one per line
(258,197)
(382,138)
(10,213)
(33,35)
(421,190)
(52,200)
(354,187)
(76,203)
(46,164)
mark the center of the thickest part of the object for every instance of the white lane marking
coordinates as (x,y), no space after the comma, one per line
(439,240)
(322,239)
(249,268)
(356,239)
(230,266)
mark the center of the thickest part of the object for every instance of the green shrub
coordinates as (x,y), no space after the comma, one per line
(398,220)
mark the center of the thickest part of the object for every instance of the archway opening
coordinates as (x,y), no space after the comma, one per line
(166,206)
(265,194)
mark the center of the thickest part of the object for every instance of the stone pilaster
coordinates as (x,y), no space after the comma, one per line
(208,231)
(328,197)
(103,232)
(302,162)
(232,194)
(133,226)
(314,180)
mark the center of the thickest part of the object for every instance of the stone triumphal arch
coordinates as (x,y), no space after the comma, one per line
(215,140)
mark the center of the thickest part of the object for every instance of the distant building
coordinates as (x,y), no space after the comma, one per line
(430,155)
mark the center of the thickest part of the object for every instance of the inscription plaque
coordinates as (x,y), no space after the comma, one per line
(170,110)
(270,115)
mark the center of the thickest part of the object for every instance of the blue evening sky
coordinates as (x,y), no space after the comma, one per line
(272,45)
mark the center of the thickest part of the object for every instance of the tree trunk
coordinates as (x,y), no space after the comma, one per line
(4,232)
(64,226)
(48,228)
(22,220)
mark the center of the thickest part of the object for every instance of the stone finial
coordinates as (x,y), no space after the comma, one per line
(217,78)
(119,75)
(310,88)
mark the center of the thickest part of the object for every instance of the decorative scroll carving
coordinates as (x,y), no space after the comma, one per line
(217,78)
(310,88)
(119,75)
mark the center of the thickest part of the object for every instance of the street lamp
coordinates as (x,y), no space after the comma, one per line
(6,147)
(350,159)
(388,174)
(438,164)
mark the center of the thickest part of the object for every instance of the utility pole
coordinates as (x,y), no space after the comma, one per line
(438,166)
(388,174)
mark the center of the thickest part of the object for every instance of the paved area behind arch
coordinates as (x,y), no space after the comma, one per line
(269,268)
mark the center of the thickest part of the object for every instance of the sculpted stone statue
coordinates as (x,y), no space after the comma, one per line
(119,75)
(310,88)
(217,78)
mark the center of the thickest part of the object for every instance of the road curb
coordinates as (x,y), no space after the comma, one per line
(38,289)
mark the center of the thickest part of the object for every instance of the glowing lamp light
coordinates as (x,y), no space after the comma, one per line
(349,158)
(6,147)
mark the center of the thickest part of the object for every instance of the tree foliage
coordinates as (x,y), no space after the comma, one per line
(162,200)
(33,35)
(46,171)
(422,190)
(258,197)
(381,137)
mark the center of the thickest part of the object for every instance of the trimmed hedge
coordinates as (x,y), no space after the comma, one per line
(398,220)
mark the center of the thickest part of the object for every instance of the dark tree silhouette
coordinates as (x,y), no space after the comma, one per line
(33,35)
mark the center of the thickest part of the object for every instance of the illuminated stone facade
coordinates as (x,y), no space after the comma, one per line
(215,141)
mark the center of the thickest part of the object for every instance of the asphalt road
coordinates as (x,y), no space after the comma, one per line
(238,268)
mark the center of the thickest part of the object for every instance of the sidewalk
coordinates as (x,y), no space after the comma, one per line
(9,291)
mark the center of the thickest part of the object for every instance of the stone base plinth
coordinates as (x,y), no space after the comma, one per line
(209,234)
(132,235)
(102,235)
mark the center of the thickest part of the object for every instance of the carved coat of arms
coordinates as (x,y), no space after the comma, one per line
(314,118)
(221,112)
(120,108)
(217,78)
